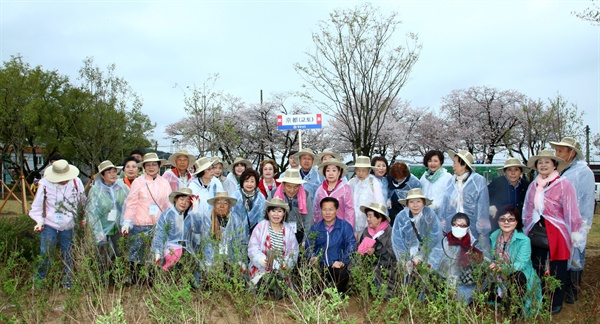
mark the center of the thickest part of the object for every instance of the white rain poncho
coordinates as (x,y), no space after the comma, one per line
(174,230)
(364,192)
(231,184)
(557,203)
(434,187)
(472,199)
(233,244)
(205,193)
(104,208)
(582,179)
(405,243)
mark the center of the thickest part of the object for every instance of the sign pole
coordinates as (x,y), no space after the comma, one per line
(299,140)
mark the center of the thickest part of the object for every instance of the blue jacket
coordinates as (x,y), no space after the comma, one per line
(335,246)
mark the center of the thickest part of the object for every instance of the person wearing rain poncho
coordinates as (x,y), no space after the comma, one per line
(365,190)
(250,201)
(400,182)
(300,216)
(104,210)
(225,233)
(204,184)
(232,181)
(551,206)
(582,178)
(435,179)
(416,231)
(508,189)
(467,193)
(273,249)
(178,229)
(333,186)
(218,167)
(308,170)
(179,175)
(380,171)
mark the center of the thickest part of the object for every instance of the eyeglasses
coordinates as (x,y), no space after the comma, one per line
(461,225)
(507,220)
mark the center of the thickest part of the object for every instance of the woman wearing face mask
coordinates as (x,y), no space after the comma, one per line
(232,182)
(435,179)
(250,201)
(365,190)
(455,256)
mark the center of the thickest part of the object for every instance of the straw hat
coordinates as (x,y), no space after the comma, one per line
(547,154)
(291,176)
(333,162)
(151,157)
(319,157)
(217,160)
(61,171)
(362,162)
(304,151)
(513,162)
(222,195)
(181,192)
(277,202)
(173,157)
(463,155)
(105,165)
(415,194)
(569,142)
(376,207)
(239,160)
(202,164)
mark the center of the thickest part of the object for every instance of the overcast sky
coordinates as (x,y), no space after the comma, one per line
(536,47)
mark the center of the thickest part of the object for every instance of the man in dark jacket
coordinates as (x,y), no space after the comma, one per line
(509,189)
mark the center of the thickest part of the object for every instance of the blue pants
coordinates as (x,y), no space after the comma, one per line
(48,241)
(139,235)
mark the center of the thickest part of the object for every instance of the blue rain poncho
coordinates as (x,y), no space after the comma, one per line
(255,214)
(313,181)
(405,243)
(104,208)
(473,200)
(176,230)
(434,187)
(233,243)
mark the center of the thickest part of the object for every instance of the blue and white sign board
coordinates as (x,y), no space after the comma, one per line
(299,122)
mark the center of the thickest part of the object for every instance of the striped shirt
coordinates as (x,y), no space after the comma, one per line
(276,239)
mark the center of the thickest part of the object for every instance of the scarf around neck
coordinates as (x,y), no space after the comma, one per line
(433,177)
(381,228)
(249,198)
(301,198)
(468,253)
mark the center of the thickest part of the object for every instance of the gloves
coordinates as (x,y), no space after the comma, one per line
(157,258)
(417,259)
(39,227)
(263,262)
(409,267)
(125,229)
(100,237)
(276,264)
(493,211)
(576,238)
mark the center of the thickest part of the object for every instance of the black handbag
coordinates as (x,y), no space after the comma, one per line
(538,235)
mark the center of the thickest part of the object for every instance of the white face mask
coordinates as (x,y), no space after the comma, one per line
(459,232)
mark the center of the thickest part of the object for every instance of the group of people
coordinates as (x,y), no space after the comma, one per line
(256,222)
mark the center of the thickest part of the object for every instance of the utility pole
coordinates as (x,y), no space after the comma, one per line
(587,143)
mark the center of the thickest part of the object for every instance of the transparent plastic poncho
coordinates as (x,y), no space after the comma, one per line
(174,230)
(255,214)
(233,244)
(104,208)
(582,179)
(405,243)
(436,190)
(364,192)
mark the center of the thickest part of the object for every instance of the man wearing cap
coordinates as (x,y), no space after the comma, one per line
(299,201)
(508,189)
(306,158)
(179,175)
(582,178)
(54,209)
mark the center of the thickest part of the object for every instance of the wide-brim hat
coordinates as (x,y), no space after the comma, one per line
(173,157)
(319,157)
(376,207)
(239,160)
(569,142)
(304,151)
(105,165)
(278,202)
(463,155)
(291,176)
(335,162)
(547,154)
(180,192)
(151,157)
(217,160)
(61,171)
(362,162)
(513,162)
(222,195)
(415,193)
(202,164)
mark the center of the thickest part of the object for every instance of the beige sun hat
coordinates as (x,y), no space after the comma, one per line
(376,207)
(61,171)
(173,157)
(514,162)
(217,160)
(304,151)
(151,157)
(222,195)
(362,162)
(277,202)
(291,176)
(319,157)
(202,164)
(569,142)
(105,165)
(415,194)
(546,154)
(463,155)
(181,192)
(239,160)
(333,162)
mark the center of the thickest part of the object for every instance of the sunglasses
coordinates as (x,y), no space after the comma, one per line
(507,220)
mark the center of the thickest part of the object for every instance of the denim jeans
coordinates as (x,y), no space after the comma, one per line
(139,244)
(48,240)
